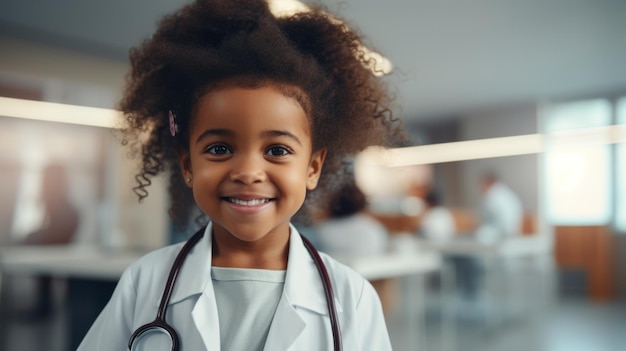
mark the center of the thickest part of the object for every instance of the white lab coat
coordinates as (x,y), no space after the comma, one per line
(300,323)
(437,224)
(501,214)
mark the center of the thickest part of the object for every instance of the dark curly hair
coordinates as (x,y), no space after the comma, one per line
(212,44)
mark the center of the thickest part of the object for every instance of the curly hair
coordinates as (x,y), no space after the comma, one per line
(212,44)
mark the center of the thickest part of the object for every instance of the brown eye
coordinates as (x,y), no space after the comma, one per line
(278,151)
(218,149)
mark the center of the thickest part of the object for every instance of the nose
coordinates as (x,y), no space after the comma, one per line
(248,169)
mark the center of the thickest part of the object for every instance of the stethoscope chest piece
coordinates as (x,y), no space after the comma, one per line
(158,326)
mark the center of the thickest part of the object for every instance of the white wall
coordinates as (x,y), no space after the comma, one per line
(63,76)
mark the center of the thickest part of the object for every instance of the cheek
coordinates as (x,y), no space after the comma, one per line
(207,175)
(294,178)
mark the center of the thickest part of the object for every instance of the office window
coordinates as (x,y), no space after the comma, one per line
(620,214)
(577,173)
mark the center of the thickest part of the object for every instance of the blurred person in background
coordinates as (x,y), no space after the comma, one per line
(500,217)
(437,222)
(501,211)
(60,215)
(59,227)
(437,225)
(349,230)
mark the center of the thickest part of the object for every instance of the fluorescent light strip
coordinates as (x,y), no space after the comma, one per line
(496,147)
(463,150)
(63,113)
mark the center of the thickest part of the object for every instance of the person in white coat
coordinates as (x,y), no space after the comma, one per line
(501,215)
(436,223)
(246,112)
(501,212)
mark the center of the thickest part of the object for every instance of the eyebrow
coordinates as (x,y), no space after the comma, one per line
(214,132)
(226,132)
(279,133)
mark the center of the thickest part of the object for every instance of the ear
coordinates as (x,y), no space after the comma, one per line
(315,168)
(185,166)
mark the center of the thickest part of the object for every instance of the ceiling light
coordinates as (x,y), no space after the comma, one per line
(63,113)
(377,63)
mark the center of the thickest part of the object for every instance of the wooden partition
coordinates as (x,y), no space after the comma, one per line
(587,248)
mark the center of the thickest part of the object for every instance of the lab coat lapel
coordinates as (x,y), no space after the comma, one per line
(303,289)
(205,317)
(286,327)
(204,312)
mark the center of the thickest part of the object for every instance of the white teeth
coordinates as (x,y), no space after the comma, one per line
(254,202)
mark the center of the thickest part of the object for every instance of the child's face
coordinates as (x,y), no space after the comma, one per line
(250,161)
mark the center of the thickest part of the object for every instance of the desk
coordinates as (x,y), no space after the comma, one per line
(411,266)
(92,274)
(507,262)
(94,263)
(70,261)
(393,265)
(522,246)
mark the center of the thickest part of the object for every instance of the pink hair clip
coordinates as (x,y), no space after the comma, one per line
(173,125)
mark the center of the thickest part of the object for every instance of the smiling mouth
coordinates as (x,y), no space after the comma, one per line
(240,202)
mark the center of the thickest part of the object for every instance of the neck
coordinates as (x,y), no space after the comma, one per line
(266,253)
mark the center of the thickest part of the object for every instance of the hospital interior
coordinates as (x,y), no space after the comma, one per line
(529,94)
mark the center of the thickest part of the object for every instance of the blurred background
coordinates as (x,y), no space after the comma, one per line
(524,97)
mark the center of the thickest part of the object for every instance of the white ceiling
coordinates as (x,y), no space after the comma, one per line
(449,56)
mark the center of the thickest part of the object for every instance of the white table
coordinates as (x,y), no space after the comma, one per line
(392,265)
(411,266)
(94,263)
(520,246)
(74,261)
(507,284)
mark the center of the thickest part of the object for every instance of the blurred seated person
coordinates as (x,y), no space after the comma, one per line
(500,217)
(59,227)
(436,223)
(349,230)
(501,211)
(60,215)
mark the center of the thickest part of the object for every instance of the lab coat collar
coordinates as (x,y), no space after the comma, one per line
(303,288)
(196,271)
(303,284)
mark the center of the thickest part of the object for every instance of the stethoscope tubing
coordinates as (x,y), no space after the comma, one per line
(328,291)
(159,322)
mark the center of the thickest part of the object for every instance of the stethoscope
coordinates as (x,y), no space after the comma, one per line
(160,325)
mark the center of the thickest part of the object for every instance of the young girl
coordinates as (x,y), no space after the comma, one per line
(255,111)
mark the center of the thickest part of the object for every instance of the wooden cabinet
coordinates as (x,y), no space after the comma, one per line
(587,248)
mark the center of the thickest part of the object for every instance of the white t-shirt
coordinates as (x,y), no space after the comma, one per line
(246,301)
